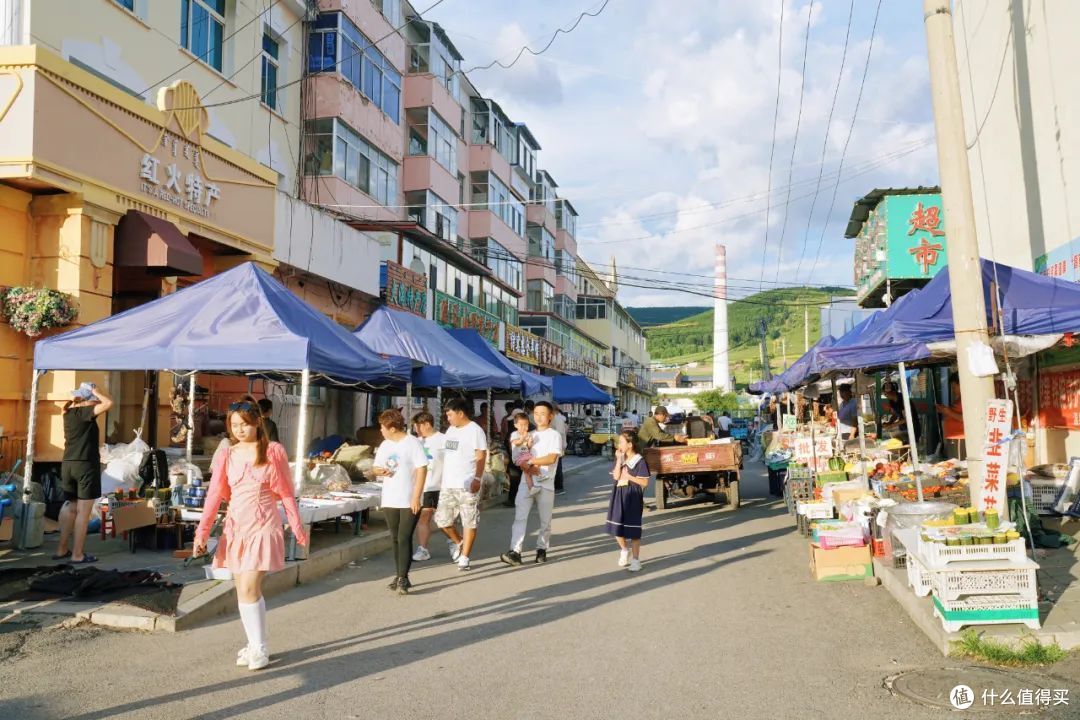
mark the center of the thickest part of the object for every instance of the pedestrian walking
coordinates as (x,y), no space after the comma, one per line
(403,465)
(266,407)
(546,449)
(80,471)
(252,474)
(559,423)
(463,472)
(631,475)
(434,443)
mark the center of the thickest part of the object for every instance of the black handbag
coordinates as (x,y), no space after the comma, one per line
(154,470)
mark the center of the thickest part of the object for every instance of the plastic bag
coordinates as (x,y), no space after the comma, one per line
(332,478)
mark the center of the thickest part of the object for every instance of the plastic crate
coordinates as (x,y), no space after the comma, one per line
(954,584)
(1045,493)
(939,555)
(919,578)
(987,610)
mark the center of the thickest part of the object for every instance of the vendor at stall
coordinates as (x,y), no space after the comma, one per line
(652,435)
(848,417)
(952,420)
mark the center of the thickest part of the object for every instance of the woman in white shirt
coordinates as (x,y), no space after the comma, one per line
(402,464)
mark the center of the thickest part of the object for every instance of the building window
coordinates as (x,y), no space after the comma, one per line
(430,52)
(566,265)
(541,243)
(434,213)
(129,4)
(335,43)
(592,308)
(489,192)
(390,9)
(337,149)
(202,27)
(566,218)
(503,264)
(525,157)
(430,135)
(540,296)
(564,307)
(270,51)
(490,125)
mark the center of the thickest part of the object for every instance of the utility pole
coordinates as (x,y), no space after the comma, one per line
(766,371)
(962,247)
(806,329)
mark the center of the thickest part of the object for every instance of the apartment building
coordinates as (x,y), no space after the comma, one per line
(600,314)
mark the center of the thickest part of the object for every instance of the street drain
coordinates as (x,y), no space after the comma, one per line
(971,688)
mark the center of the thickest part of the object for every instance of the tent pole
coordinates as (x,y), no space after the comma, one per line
(489,412)
(408,406)
(144,417)
(301,432)
(862,448)
(190,444)
(30,434)
(911,430)
(438,408)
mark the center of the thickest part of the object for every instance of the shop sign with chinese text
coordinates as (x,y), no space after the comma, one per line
(403,289)
(916,236)
(1062,262)
(454,313)
(1059,399)
(532,349)
(996,455)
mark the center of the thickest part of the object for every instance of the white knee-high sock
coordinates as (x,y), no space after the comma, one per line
(262,625)
(250,617)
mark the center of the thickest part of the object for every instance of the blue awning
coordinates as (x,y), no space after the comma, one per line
(578,389)
(239,321)
(531,383)
(448,363)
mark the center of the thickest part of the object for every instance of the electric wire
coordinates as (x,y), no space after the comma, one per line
(847,141)
(772,146)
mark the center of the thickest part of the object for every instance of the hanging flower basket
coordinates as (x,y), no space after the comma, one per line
(32,311)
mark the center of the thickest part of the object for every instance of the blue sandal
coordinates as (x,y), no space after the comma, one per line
(87,559)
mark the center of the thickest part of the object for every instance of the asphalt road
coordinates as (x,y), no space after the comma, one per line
(723,621)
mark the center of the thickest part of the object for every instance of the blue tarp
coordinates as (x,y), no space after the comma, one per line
(578,389)
(1032,304)
(531,383)
(448,363)
(240,320)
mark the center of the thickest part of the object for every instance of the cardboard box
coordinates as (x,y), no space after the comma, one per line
(7,528)
(845,563)
(846,495)
(135,515)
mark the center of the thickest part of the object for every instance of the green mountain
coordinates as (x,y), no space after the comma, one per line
(689,339)
(650,316)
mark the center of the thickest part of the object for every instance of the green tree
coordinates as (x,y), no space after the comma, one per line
(716,401)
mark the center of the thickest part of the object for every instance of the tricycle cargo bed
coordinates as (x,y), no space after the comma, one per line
(683,459)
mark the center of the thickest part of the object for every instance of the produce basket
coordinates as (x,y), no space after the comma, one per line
(987,610)
(938,555)
(919,578)
(954,584)
(1045,492)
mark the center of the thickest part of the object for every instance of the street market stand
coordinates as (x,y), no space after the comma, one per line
(239,322)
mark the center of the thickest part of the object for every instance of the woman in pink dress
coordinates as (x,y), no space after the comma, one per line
(252,474)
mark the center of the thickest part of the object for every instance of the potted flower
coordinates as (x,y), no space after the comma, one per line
(32,310)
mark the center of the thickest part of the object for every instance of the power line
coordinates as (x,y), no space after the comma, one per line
(772,147)
(847,141)
(795,141)
(825,142)
(542,50)
(202,58)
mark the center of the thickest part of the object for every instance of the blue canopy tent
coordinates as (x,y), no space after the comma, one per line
(242,320)
(531,383)
(578,389)
(447,362)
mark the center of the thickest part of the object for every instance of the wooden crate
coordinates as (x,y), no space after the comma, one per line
(681,459)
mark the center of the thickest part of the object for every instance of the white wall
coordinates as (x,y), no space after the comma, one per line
(308,238)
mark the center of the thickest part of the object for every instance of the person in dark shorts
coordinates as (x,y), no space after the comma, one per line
(434,443)
(266,407)
(80,471)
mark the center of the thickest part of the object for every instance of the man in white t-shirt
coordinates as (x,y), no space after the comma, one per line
(462,472)
(559,424)
(547,448)
(434,443)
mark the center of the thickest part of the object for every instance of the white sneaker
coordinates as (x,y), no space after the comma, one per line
(242,657)
(635,565)
(463,563)
(624,558)
(421,554)
(257,659)
(455,550)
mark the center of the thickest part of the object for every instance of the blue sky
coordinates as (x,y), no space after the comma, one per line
(656,120)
